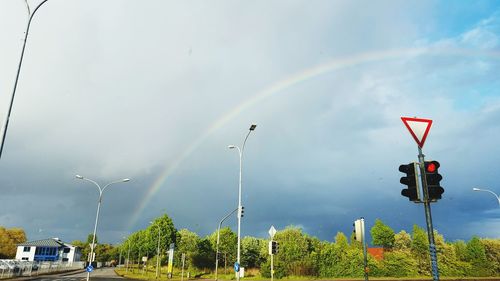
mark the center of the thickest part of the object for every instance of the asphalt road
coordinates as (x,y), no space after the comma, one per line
(101,274)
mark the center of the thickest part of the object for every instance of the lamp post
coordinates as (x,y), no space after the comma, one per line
(101,190)
(6,124)
(486,190)
(240,152)
(218,238)
(128,254)
(158,251)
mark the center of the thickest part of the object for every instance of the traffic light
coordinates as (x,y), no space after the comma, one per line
(411,180)
(242,211)
(274,247)
(358,234)
(433,178)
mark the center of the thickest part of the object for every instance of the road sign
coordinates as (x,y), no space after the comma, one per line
(272,231)
(89,268)
(236,267)
(418,127)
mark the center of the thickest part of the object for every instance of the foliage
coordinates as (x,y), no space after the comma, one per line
(382,235)
(9,238)
(402,241)
(399,264)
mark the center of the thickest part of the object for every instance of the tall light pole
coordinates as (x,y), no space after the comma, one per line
(6,124)
(486,190)
(240,152)
(217,247)
(128,253)
(101,190)
(158,251)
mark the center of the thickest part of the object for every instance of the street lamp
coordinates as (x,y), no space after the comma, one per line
(486,190)
(217,247)
(158,251)
(6,124)
(101,190)
(240,152)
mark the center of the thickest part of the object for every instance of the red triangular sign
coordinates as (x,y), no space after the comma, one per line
(418,127)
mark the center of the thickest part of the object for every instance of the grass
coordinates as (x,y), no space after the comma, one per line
(254,275)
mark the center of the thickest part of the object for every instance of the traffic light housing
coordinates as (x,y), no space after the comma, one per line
(274,247)
(433,178)
(410,180)
(358,234)
(242,211)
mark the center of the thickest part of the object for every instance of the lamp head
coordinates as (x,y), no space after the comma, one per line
(476,189)
(252,127)
(125,180)
(231,146)
(79,177)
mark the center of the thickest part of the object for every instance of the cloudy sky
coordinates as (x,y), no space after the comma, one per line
(155,91)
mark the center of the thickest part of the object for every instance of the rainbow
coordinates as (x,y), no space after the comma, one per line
(279,86)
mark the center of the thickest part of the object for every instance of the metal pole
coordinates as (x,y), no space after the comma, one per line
(158,253)
(6,123)
(272,266)
(486,190)
(239,200)
(428,217)
(183,259)
(128,256)
(120,258)
(217,247)
(365,257)
(239,217)
(91,258)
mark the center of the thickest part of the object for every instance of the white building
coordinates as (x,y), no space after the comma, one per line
(52,249)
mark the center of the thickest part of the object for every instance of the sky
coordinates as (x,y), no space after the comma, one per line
(155,91)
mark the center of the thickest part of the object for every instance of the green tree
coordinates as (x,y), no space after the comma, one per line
(402,241)
(187,244)
(420,250)
(251,252)
(205,255)
(228,241)
(476,256)
(293,250)
(168,235)
(382,235)
(400,263)
(492,251)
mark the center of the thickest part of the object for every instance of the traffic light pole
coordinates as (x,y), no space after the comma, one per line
(428,217)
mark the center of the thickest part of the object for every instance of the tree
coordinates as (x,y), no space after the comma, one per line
(251,252)
(476,255)
(420,250)
(402,241)
(399,263)
(228,241)
(187,244)
(168,235)
(382,235)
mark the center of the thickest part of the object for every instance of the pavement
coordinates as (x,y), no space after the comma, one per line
(100,274)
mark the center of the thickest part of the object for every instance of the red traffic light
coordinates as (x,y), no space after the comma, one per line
(431,168)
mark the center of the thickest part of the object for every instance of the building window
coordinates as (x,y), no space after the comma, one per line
(67,250)
(24,259)
(27,249)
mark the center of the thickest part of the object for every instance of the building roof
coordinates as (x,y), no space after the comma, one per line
(377,253)
(51,242)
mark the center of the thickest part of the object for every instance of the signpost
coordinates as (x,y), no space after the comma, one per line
(170,260)
(272,232)
(419,129)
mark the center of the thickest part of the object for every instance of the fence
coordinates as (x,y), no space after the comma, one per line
(14,268)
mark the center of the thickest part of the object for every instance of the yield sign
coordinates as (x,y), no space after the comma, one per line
(418,127)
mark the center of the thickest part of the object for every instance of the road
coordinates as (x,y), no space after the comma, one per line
(101,274)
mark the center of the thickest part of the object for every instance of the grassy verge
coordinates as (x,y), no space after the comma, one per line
(150,274)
